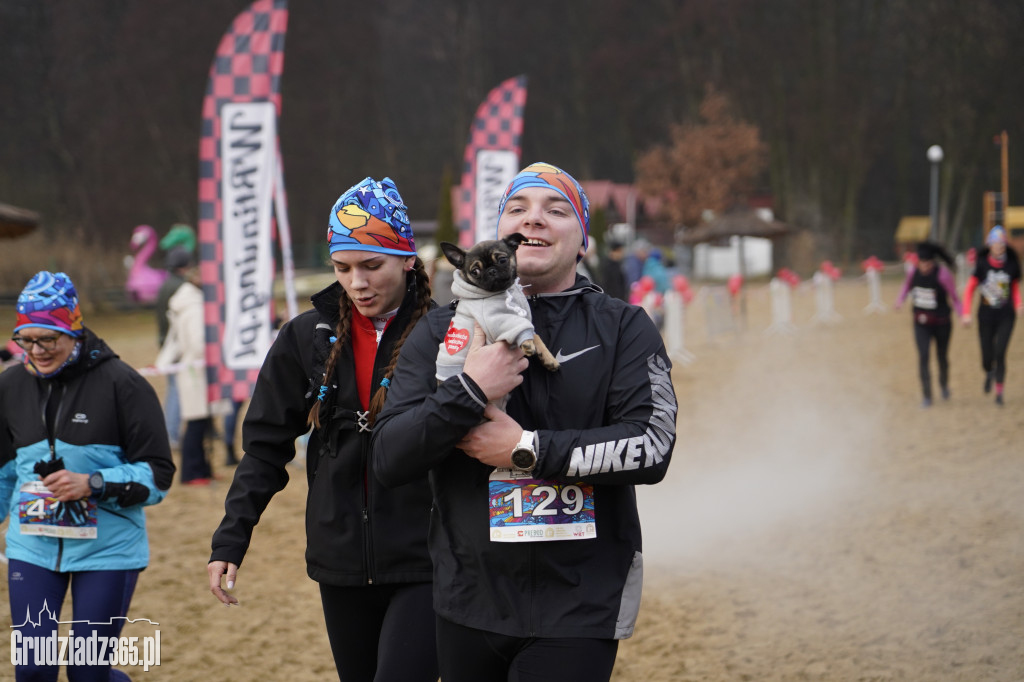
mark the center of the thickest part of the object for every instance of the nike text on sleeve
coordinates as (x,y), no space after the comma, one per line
(639,451)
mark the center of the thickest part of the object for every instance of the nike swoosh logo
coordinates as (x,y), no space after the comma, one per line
(566,358)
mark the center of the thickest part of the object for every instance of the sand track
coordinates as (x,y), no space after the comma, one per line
(816,523)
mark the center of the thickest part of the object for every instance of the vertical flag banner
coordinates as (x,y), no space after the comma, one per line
(238,172)
(491,160)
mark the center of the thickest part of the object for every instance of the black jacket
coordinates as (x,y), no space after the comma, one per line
(357,532)
(606,417)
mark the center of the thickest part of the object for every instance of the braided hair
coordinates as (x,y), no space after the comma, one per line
(422,284)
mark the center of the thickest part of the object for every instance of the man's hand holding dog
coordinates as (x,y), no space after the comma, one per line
(496,368)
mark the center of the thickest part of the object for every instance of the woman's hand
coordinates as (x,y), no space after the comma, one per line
(67,486)
(216,569)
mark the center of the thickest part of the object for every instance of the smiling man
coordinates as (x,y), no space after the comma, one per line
(535,535)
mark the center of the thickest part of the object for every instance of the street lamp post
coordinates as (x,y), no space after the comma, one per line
(935,156)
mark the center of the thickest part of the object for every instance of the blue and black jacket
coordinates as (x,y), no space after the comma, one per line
(104,417)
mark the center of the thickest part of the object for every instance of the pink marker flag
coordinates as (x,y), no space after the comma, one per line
(491,160)
(238,176)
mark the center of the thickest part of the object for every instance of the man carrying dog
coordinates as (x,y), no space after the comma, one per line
(535,535)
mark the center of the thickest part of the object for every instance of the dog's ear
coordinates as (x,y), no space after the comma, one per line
(454,254)
(514,240)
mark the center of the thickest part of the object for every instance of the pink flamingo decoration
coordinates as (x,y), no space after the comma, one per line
(143,282)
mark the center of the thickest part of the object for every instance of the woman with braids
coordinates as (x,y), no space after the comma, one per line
(329,369)
(997,274)
(933,296)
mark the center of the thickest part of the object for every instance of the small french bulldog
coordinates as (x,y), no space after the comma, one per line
(489,294)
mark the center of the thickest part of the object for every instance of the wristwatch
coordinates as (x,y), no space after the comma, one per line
(96,484)
(524,457)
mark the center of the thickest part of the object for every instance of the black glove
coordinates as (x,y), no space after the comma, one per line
(73,513)
(45,467)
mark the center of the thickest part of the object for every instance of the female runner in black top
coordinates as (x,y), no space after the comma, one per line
(997,276)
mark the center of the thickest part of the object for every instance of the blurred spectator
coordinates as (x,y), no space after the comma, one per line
(440,272)
(177,262)
(656,270)
(587,265)
(613,276)
(230,427)
(184,350)
(633,264)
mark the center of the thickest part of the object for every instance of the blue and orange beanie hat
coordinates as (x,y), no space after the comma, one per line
(371,216)
(50,301)
(545,175)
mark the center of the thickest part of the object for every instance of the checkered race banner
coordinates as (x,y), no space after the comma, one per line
(238,151)
(491,160)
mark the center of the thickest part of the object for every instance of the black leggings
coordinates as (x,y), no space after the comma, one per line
(471,655)
(923,335)
(994,330)
(382,633)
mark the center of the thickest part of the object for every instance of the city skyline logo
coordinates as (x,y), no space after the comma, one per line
(46,609)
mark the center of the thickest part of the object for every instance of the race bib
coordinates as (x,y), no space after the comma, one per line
(526,509)
(925,298)
(39,513)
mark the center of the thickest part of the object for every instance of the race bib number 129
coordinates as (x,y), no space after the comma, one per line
(525,509)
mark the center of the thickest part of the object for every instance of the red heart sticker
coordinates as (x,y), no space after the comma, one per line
(456,339)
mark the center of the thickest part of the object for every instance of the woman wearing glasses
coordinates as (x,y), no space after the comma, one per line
(83,448)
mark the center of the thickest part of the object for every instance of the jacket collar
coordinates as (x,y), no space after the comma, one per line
(581,286)
(94,352)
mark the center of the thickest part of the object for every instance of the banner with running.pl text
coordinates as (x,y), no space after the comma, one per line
(239,177)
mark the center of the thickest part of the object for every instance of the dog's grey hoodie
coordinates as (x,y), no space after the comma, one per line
(503,315)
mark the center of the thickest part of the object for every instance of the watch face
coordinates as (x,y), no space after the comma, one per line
(523,459)
(96,480)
